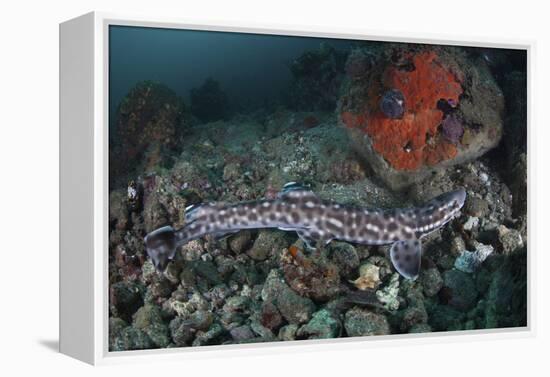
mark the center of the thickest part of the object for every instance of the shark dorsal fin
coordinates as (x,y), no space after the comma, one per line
(405,256)
(220,235)
(309,241)
(296,190)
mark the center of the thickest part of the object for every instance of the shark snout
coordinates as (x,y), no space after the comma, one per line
(459,196)
(449,202)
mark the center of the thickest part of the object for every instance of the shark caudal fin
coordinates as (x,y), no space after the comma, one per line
(406,256)
(161,246)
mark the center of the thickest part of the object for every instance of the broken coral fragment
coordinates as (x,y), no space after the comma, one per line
(388,295)
(469,261)
(369,277)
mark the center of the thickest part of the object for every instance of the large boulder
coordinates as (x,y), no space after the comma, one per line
(149,123)
(420,109)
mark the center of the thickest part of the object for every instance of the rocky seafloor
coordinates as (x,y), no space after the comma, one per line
(261,285)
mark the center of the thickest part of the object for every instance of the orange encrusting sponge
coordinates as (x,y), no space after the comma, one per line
(410,142)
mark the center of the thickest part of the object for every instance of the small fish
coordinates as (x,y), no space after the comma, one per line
(317,222)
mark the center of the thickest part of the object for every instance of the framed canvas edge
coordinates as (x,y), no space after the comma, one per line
(102,21)
(77,248)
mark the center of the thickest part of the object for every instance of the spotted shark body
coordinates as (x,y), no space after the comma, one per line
(316,222)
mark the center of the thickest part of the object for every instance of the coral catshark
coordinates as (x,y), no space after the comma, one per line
(316,222)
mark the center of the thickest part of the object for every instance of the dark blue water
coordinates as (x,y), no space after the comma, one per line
(252,69)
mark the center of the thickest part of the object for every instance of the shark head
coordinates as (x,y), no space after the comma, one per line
(440,210)
(457,197)
(161,247)
(449,203)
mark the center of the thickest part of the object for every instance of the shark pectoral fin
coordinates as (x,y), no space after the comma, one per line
(219,235)
(406,256)
(312,240)
(286,229)
(306,237)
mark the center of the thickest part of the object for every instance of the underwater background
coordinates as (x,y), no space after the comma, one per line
(198,116)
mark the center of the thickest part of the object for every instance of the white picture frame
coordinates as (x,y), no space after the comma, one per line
(84,47)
